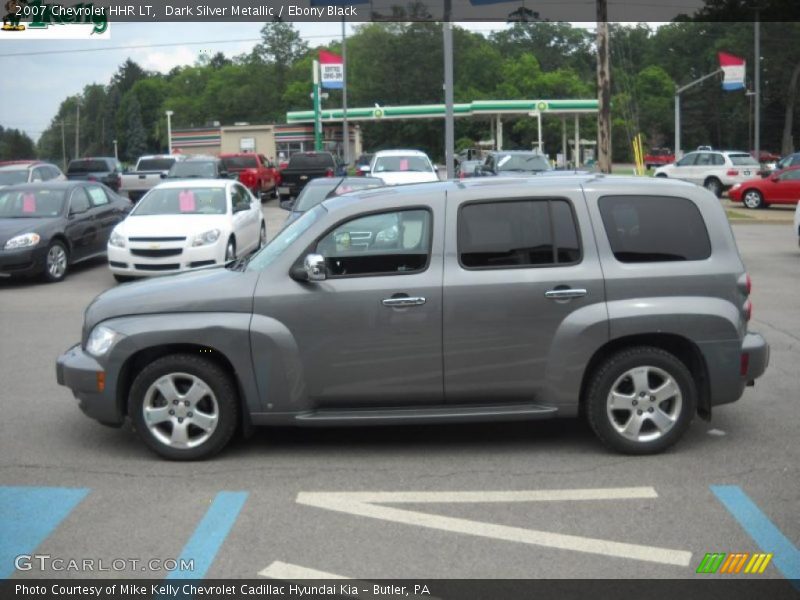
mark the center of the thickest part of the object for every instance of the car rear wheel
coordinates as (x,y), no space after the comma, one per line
(184,407)
(56,262)
(713,185)
(661,175)
(753,199)
(640,400)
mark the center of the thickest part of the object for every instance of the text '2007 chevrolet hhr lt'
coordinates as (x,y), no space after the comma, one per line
(616,299)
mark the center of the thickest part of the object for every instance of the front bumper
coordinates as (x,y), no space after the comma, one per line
(122,261)
(78,371)
(23,262)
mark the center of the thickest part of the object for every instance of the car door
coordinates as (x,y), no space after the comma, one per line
(267,173)
(81,229)
(245,219)
(787,188)
(684,167)
(370,335)
(523,294)
(106,215)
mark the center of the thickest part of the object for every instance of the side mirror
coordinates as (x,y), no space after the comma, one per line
(774,178)
(314,267)
(163,175)
(287,204)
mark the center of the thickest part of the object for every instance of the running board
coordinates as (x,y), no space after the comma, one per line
(423,414)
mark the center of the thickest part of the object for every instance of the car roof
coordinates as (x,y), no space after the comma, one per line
(8,165)
(199,158)
(380,153)
(82,158)
(516,152)
(195,183)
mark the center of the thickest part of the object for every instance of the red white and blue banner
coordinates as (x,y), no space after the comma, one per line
(331,70)
(733,69)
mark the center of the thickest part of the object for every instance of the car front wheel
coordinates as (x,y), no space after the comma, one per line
(640,400)
(56,262)
(753,199)
(713,185)
(184,407)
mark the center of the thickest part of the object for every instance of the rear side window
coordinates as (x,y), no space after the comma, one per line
(89,166)
(155,164)
(520,233)
(654,229)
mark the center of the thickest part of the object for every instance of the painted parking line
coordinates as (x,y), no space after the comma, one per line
(28,515)
(372,504)
(207,538)
(763,531)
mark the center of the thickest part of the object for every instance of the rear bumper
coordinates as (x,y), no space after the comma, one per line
(78,371)
(756,350)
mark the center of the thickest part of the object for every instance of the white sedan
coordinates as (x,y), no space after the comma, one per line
(402,166)
(187,224)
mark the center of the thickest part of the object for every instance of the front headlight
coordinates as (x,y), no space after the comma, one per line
(116,240)
(736,186)
(26,240)
(206,238)
(101,339)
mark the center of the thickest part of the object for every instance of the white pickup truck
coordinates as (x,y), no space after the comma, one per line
(147,174)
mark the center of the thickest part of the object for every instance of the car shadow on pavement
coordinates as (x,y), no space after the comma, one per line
(22,283)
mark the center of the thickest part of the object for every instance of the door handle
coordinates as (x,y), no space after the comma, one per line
(565,294)
(404,301)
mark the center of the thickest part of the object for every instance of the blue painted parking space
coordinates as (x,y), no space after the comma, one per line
(28,515)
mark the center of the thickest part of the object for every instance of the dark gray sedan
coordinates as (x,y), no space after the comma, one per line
(322,188)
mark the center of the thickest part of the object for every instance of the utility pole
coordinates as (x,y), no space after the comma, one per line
(757,57)
(603,90)
(169,114)
(63,146)
(449,116)
(77,130)
(317,124)
(345,128)
(678,92)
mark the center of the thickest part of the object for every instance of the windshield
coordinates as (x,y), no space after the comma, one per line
(12,177)
(267,255)
(155,164)
(194,168)
(313,194)
(522,162)
(17,204)
(88,166)
(403,163)
(237,163)
(743,160)
(182,201)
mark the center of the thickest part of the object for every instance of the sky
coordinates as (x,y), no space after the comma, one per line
(42,81)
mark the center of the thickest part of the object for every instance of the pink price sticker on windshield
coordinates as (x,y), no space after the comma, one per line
(186,201)
(29,203)
(404,164)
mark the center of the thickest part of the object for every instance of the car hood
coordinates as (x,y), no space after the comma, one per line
(400,177)
(12,227)
(216,289)
(169,225)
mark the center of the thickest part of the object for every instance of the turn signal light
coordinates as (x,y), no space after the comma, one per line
(101,380)
(329,172)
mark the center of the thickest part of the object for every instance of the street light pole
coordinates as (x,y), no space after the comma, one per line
(169,114)
(449,115)
(116,154)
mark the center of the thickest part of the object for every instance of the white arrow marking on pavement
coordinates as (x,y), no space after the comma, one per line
(289,572)
(367,504)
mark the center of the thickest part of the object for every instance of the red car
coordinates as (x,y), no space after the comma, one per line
(658,157)
(780,187)
(255,172)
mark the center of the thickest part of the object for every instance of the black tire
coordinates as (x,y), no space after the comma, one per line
(122,278)
(214,377)
(611,374)
(713,185)
(230,249)
(56,252)
(661,175)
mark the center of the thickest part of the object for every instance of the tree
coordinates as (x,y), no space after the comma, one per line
(15,145)
(135,139)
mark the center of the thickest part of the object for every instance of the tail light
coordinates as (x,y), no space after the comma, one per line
(732,173)
(461,175)
(748,309)
(329,172)
(90,178)
(744,364)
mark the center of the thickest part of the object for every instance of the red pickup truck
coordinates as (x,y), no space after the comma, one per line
(255,172)
(658,157)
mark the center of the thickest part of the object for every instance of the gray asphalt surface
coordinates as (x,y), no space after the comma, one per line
(142,507)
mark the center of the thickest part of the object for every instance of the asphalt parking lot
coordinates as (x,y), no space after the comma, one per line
(523,500)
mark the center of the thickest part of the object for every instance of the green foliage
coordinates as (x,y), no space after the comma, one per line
(15,144)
